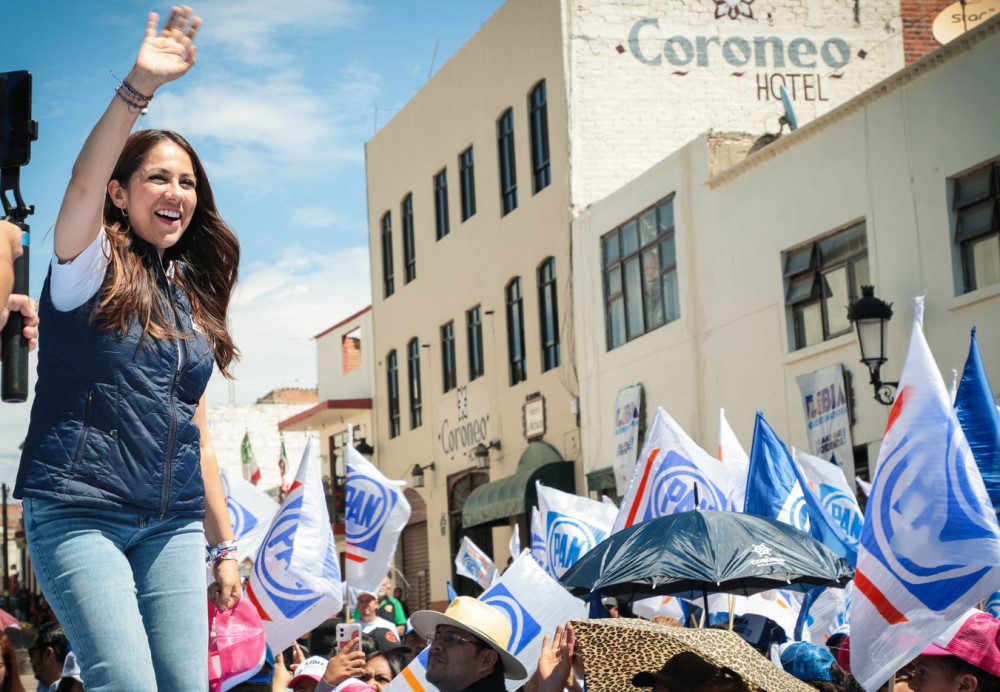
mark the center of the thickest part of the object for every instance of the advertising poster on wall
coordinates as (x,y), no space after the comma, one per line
(627,408)
(828,420)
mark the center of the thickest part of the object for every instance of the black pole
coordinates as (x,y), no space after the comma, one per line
(13,345)
(6,566)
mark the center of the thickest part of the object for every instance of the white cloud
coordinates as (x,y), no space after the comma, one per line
(279,307)
(277,127)
(256,32)
(318,217)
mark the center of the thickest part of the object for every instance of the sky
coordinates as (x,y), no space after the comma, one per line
(279,106)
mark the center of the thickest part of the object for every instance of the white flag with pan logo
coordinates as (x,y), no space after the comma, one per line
(672,471)
(250,512)
(534,603)
(295,583)
(930,546)
(377,512)
(473,563)
(573,526)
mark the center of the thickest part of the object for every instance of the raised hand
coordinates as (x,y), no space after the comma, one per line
(169,55)
(556,660)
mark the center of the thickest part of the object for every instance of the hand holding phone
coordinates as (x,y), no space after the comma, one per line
(347,632)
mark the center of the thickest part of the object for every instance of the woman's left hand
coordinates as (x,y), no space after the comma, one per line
(225,593)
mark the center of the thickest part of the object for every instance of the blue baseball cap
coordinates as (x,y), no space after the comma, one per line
(808,662)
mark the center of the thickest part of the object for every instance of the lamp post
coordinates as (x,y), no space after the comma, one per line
(870,316)
(482,453)
(364,449)
(418,474)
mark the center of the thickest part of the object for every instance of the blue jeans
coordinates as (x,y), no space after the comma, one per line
(129,591)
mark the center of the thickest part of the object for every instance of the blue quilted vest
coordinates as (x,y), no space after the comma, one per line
(111,423)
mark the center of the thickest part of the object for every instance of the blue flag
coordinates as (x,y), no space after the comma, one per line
(977,412)
(452,594)
(778,489)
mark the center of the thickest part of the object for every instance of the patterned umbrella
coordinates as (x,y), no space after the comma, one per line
(615,649)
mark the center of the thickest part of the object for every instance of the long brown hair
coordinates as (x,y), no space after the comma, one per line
(207,258)
(12,677)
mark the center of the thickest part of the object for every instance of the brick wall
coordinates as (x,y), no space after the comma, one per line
(351,354)
(918,17)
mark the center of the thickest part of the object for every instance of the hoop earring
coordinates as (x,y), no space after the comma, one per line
(125,212)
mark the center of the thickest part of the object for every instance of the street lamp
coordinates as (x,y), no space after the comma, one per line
(418,474)
(482,453)
(871,316)
(364,449)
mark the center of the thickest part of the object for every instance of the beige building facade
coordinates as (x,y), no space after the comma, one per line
(892,188)
(472,188)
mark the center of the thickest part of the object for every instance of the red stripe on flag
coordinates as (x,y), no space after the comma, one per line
(641,492)
(885,609)
(256,604)
(295,485)
(897,408)
(355,558)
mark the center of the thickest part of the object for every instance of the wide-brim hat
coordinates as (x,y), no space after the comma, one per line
(614,650)
(488,623)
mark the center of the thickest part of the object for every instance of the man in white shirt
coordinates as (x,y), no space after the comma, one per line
(367,604)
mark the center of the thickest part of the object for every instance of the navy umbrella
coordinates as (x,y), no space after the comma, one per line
(693,553)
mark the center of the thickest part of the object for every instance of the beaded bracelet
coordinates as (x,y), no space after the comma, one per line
(136,101)
(224,551)
(133,106)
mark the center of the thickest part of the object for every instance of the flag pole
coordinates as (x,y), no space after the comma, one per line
(347,469)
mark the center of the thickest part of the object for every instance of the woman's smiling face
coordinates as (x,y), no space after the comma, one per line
(160,197)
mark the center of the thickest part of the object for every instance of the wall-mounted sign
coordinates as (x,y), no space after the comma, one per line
(797,63)
(627,409)
(467,431)
(956,19)
(828,423)
(533,415)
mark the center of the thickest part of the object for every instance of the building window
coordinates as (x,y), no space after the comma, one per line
(821,280)
(467,175)
(515,332)
(977,226)
(508,172)
(392,389)
(538,115)
(388,278)
(548,313)
(474,330)
(441,204)
(640,275)
(448,369)
(409,248)
(413,374)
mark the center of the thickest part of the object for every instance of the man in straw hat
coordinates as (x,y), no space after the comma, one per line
(468,647)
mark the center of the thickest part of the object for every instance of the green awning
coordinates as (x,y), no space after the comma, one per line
(494,503)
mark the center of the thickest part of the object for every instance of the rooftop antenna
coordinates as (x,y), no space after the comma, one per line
(434,56)
(789,117)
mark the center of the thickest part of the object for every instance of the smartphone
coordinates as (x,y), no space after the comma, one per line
(17,129)
(347,632)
